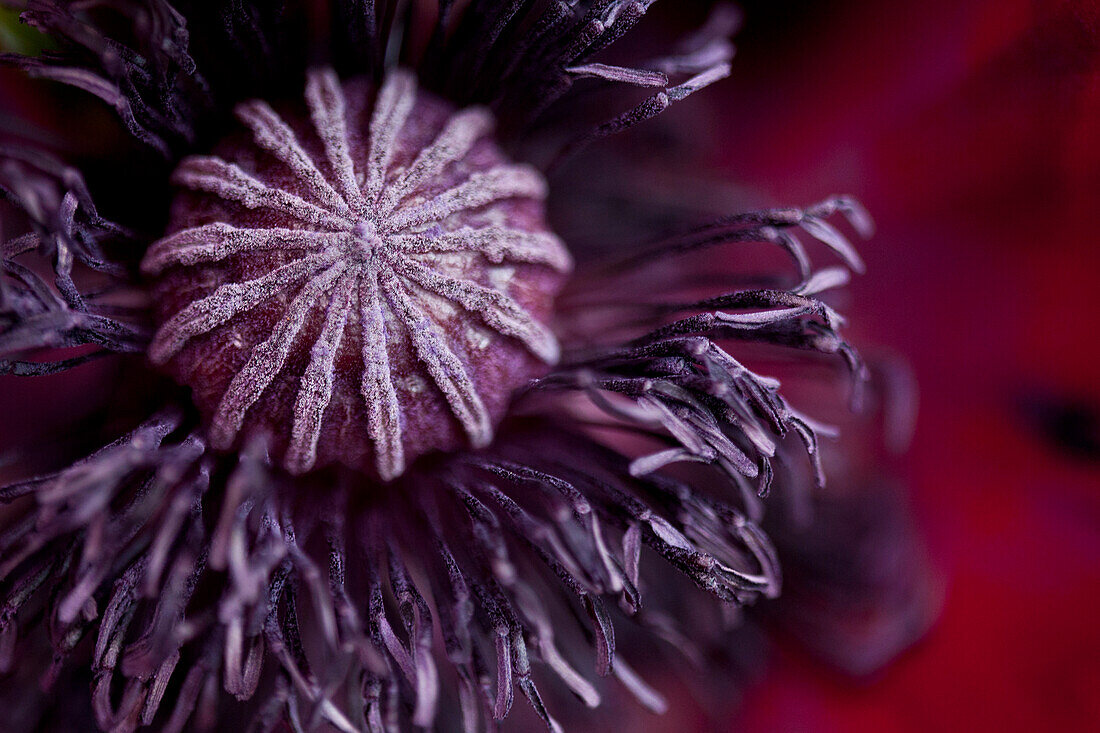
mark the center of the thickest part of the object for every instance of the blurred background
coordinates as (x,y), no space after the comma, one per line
(971,131)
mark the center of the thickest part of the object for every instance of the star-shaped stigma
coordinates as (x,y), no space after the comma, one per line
(416,246)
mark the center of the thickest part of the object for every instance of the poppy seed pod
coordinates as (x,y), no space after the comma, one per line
(381,274)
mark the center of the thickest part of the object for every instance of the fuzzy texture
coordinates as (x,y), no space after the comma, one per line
(636,467)
(367,285)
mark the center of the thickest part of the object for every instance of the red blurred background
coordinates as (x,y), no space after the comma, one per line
(972,132)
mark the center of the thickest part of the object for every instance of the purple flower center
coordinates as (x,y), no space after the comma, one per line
(359,284)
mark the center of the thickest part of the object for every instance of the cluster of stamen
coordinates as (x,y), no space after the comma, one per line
(361,288)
